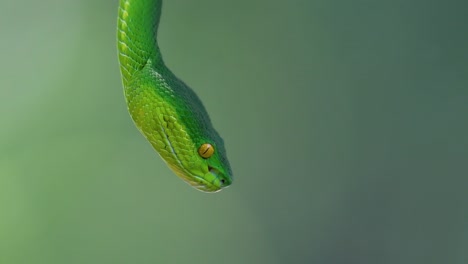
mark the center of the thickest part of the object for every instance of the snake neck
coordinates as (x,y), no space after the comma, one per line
(137,36)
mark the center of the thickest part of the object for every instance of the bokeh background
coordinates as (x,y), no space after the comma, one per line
(345,123)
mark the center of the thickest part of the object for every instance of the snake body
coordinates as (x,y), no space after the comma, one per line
(166,111)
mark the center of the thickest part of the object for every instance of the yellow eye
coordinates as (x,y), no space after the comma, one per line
(206,150)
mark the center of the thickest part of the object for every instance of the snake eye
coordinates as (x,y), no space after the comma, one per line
(206,150)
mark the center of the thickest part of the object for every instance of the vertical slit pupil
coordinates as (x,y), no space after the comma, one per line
(206,150)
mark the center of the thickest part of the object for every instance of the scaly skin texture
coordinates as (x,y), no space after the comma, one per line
(165,110)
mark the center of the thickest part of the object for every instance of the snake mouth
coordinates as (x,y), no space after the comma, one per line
(213,181)
(204,185)
(210,182)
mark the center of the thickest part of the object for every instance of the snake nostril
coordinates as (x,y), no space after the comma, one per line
(219,176)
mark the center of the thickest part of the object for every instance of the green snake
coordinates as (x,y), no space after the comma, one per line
(166,111)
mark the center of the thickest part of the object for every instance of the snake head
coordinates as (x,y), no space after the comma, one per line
(173,119)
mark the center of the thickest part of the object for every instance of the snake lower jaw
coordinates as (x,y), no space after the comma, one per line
(210,182)
(213,186)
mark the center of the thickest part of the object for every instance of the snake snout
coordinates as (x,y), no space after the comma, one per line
(224,180)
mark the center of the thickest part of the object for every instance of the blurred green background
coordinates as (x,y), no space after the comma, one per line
(345,123)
